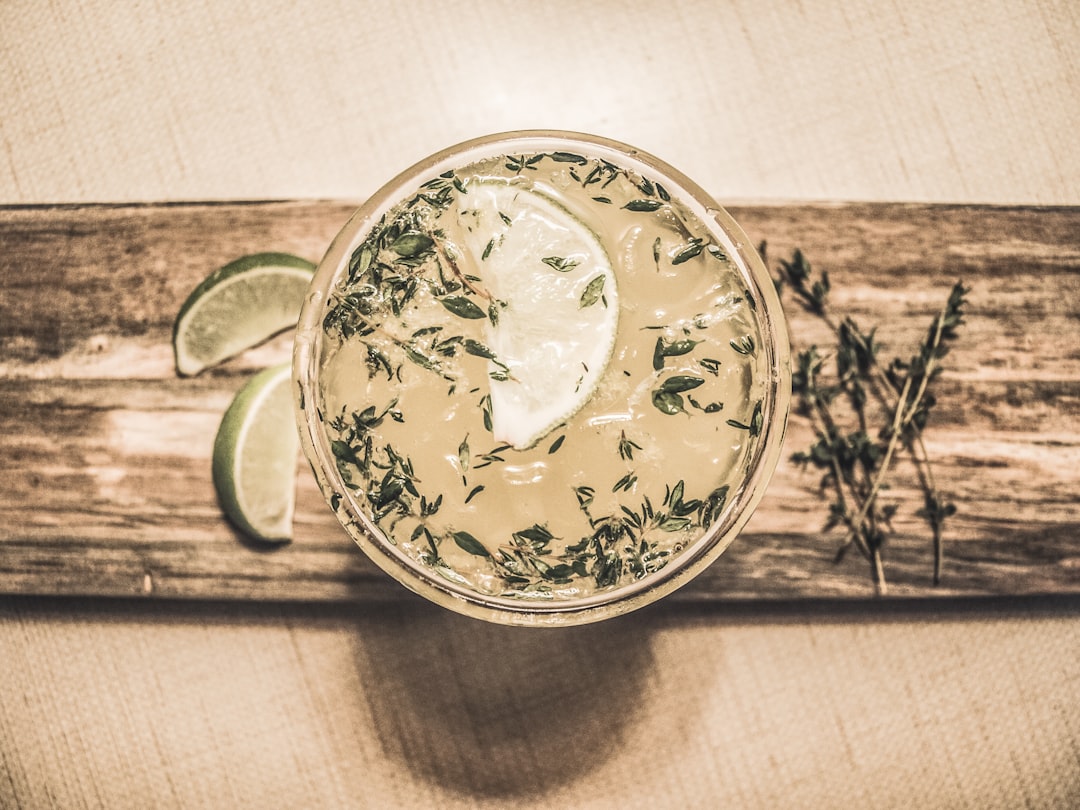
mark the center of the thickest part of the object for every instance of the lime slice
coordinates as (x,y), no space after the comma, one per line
(239,306)
(557,306)
(255,452)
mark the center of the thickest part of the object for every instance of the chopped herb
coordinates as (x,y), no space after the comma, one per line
(627,447)
(685,254)
(561,264)
(470,544)
(485,409)
(422,360)
(429,508)
(675,348)
(584,495)
(537,537)
(344,451)
(710,365)
(493,456)
(757,419)
(568,157)
(462,307)
(593,291)
(713,506)
(674,524)
(463,453)
(643,205)
(518,163)
(712,407)
(377,361)
(744,345)
(680,383)
(478,349)
(668,402)
(412,243)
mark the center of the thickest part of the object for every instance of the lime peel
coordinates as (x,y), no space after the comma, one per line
(255,457)
(239,306)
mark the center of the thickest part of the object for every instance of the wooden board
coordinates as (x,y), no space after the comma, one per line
(104,453)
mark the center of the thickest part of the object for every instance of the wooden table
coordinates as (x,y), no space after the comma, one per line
(106,483)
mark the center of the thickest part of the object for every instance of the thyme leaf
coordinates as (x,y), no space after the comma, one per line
(744,345)
(710,365)
(568,157)
(627,447)
(563,265)
(644,206)
(593,292)
(667,402)
(468,543)
(681,383)
(412,243)
(675,348)
(688,252)
(462,307)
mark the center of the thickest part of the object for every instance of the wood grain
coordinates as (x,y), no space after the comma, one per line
(104,453)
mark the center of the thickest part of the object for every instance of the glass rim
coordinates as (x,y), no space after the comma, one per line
(700,552)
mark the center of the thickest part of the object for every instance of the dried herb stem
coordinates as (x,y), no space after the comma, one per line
(821,419)
(888,396)
(869,500)
(447,260)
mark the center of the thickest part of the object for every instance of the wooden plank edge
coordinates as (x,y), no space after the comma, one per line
(757,568)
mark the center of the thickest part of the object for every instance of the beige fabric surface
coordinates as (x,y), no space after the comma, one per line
(125,704)
(918,100)
(263,706)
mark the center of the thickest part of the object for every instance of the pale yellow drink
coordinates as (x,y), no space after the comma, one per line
(630,449)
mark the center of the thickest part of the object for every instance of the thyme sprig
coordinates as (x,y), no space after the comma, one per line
(844,408)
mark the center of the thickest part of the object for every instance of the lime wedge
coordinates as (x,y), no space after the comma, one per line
(239,306)
(255,453)
(557,306)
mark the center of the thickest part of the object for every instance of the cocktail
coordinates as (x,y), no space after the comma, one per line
(543,378)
